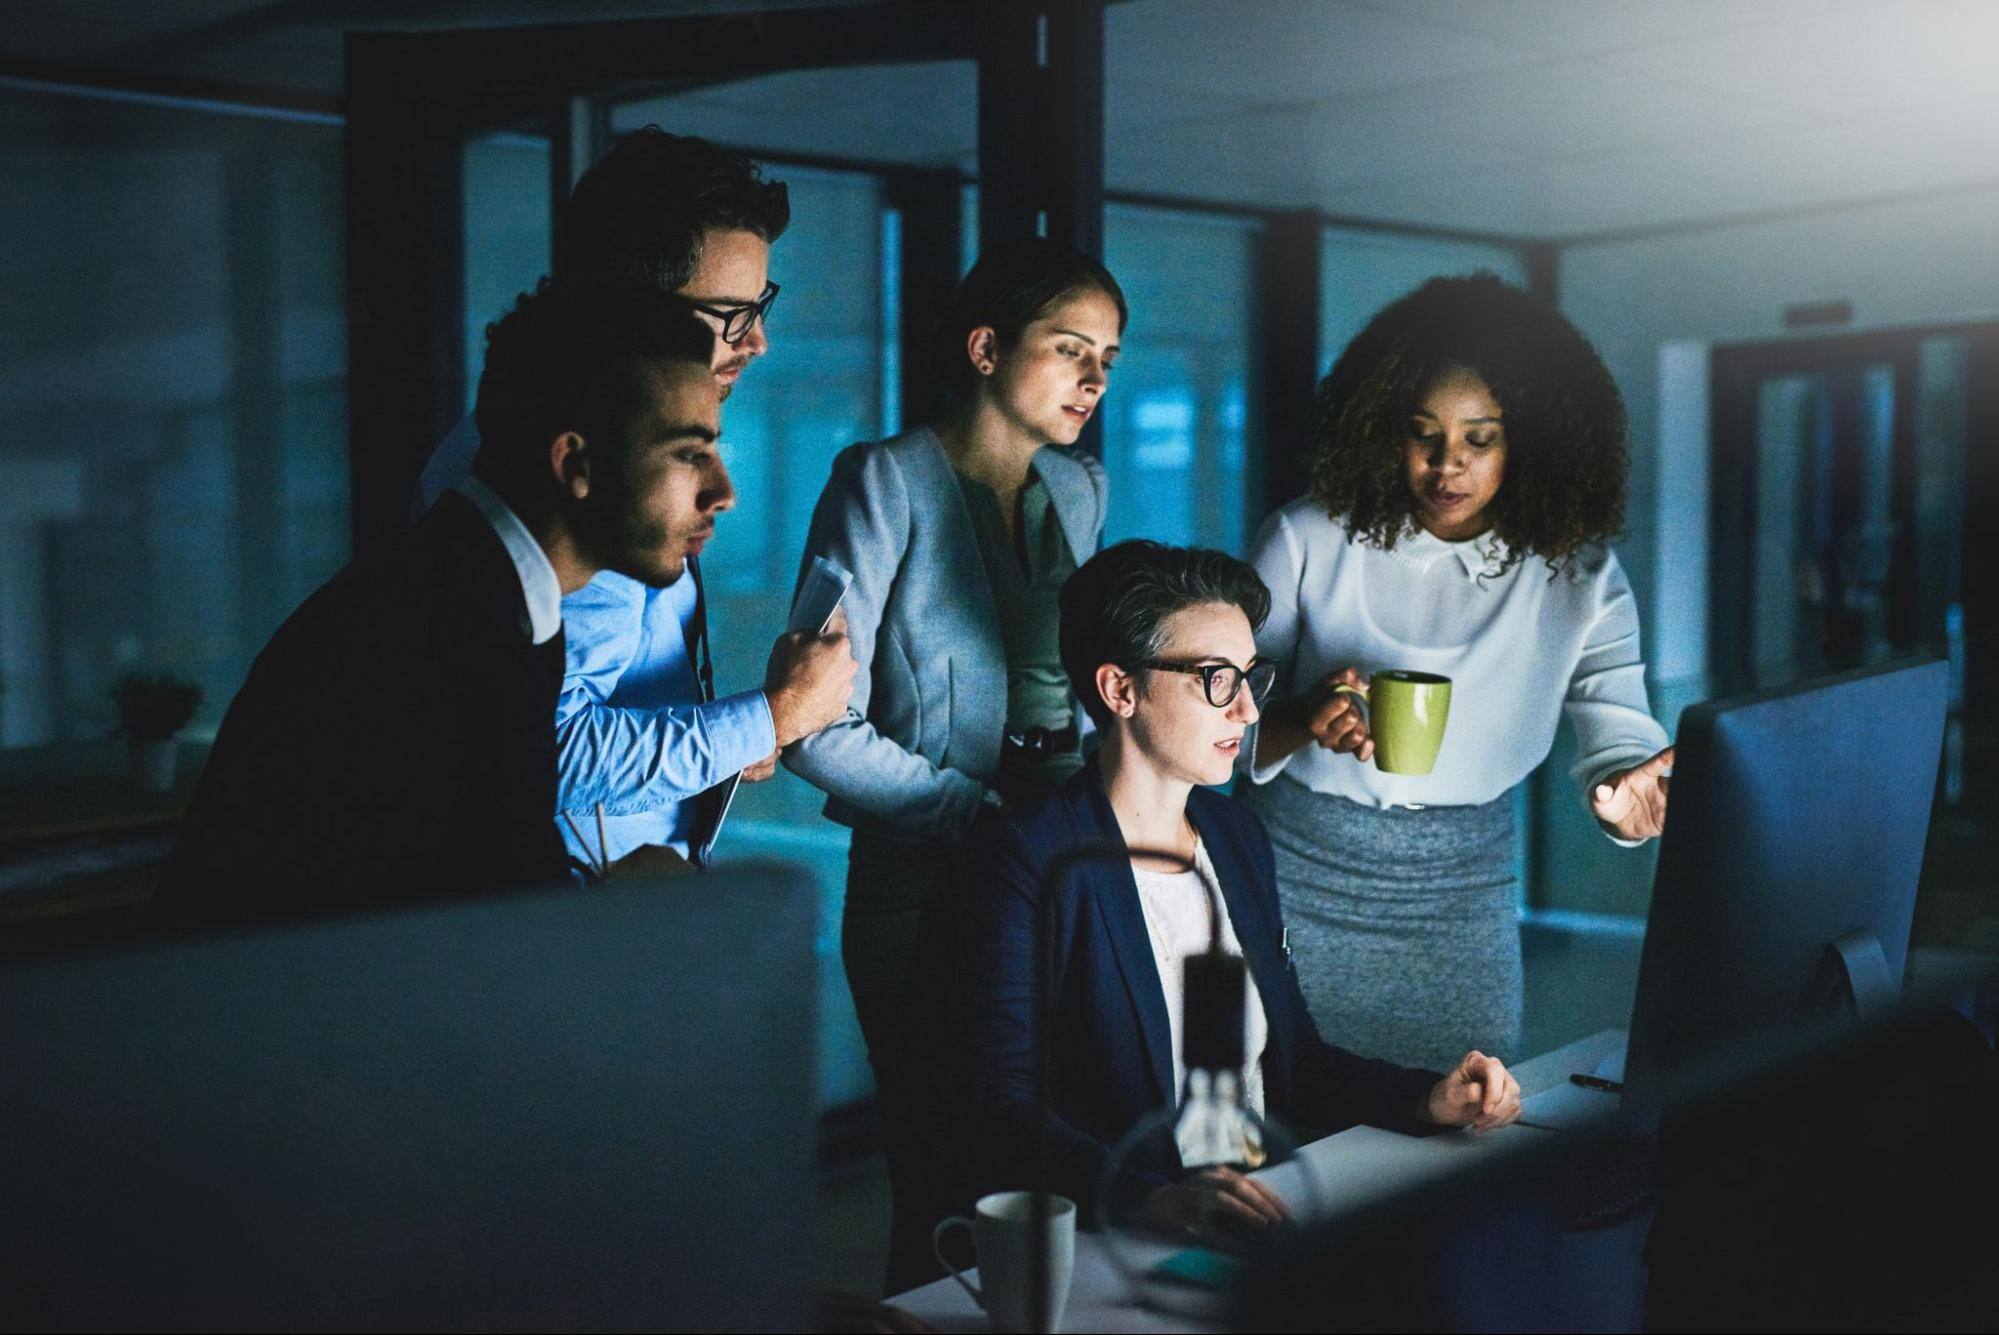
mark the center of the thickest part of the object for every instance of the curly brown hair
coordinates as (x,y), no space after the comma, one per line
(1564,420)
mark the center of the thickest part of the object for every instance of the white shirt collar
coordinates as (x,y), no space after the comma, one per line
(539,586)
(1419,548)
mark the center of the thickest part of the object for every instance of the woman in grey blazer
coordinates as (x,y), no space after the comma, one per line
(959,536)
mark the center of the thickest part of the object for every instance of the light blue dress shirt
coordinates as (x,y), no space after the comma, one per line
(633,735)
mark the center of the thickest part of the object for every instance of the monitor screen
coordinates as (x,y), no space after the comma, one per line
(1787,873)
(560,1110)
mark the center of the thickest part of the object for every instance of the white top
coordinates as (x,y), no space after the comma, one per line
(1176,918)
(1521,649)
(539,586)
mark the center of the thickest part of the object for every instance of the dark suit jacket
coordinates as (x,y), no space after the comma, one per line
(1112,1056)
(395,740)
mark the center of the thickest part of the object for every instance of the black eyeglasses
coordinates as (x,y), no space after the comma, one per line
(737,321)
(1221,682)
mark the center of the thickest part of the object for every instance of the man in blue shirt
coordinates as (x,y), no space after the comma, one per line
(646,752)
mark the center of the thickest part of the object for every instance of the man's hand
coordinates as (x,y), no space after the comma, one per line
(809,680)
(1481,1094)
(761,770)
(1334,717)
(1214,1204)
(1632,802)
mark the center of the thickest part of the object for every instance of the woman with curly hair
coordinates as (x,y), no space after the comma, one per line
(1468,473)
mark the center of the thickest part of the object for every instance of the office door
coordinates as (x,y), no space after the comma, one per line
(1830,580)
(1839,502)
(1853,514)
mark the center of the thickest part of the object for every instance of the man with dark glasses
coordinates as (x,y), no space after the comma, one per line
(740,327)
(673,212)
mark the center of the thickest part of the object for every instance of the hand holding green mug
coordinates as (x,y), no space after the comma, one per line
(1333,716)
(1404,727)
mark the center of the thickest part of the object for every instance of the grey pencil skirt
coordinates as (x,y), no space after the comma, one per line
(1405,930)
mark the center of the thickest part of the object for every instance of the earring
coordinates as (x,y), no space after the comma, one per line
(985,368)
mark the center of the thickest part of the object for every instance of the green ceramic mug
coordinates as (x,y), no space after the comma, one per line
(1405,716)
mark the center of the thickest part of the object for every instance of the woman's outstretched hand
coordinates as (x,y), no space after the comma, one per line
(1632,803)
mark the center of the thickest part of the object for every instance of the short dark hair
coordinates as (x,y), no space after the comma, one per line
(1013,283)
(640,213)
(1114,608)
(544,356)
(1563,418)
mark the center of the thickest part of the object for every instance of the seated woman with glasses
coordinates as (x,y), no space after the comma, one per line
(959,536)
(1159,643)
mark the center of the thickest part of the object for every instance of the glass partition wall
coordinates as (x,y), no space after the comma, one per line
(173,392)
(507,220)
(1176,421)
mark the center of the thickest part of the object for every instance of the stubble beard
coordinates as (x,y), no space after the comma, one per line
(636,546)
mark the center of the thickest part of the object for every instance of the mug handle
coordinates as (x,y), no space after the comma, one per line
(937,1250)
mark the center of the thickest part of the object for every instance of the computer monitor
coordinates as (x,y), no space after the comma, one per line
(559,1110)
(1829,1189)
(1787,873)
(1784,895)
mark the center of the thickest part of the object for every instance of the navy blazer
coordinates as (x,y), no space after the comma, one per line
(395,741)
(1112,1061)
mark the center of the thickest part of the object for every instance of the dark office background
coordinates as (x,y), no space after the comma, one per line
(1775,222)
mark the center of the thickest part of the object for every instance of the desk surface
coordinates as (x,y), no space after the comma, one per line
(1356,1167)
(77,834)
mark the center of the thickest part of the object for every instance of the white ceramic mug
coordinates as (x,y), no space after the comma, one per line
(1002,1233)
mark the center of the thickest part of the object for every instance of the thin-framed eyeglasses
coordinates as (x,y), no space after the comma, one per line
(737,321)
(1221,682)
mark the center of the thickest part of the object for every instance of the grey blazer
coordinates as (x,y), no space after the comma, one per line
(921,737)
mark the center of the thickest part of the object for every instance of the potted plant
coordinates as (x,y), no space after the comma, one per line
(152,709)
